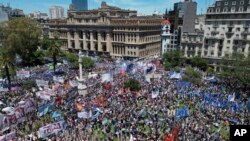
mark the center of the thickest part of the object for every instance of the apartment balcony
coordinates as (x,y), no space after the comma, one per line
(215,32)
(229,32)
(238,39)
(246,25)
(215,26)
(214,38)
(230,25)
(245,33)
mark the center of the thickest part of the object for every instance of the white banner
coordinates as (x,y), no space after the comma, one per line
(73,83)
(106,77)
(84,115)
(45,95)
(8,137)
(43,83)
(50,129)
(58,79)
(23,74)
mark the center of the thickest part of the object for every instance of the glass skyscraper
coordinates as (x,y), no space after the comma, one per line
(80,5)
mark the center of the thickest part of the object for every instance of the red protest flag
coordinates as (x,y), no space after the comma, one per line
(176,132)
(168,137)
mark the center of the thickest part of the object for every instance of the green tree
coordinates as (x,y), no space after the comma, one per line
(7,63)
(29,84)
(72,58)
(200,63)
(54,48)
(236,72)
(172,59)
(87,63)
(132,84)
(192,76)
(22,37)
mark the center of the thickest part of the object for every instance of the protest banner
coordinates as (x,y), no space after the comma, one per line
(44,109)
(23,74)
(106,77)
(45,95)
(3,85)
(18,115)
(50,129)
(58,79)
(41,83)
(84,114)
(8,137)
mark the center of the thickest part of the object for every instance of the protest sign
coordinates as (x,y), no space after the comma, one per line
(50,129)
(58,79)
(23,74)
(45,95)
(106,77)
(8,137)
(43,83)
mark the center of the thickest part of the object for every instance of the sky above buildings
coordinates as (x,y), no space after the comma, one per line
(142,6)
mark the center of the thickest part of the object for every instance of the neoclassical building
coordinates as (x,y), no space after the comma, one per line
(111,31)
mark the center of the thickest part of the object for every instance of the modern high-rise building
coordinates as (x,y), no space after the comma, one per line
(56,12)
(3,15)
(110,31)
(80,5)
(189,16)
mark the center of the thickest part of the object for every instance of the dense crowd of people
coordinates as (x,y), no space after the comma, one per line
(163,109)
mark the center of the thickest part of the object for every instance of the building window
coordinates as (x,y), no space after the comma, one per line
(241,9)
(248,9)
(217,10)
(241,2)
(234,3)
(238,29)
(218,3)
(225,9)
(226,3)
(210,10)
(233,9)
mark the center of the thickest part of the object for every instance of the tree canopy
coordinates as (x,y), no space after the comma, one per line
(172,59)
(21,37)
(236,72)
(132,84)
(54,47)
(192,76)
(200,63)
(87,63)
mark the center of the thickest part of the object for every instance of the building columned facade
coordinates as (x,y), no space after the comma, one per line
(110,31)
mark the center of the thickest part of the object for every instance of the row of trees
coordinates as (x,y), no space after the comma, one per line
(175,59)
(20,40)
(235,69)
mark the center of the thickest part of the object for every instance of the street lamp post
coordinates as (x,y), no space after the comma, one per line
(82,88)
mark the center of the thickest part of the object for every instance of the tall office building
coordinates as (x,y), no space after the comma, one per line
(80,5)
(56,12)
(189,16)
(3,15)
